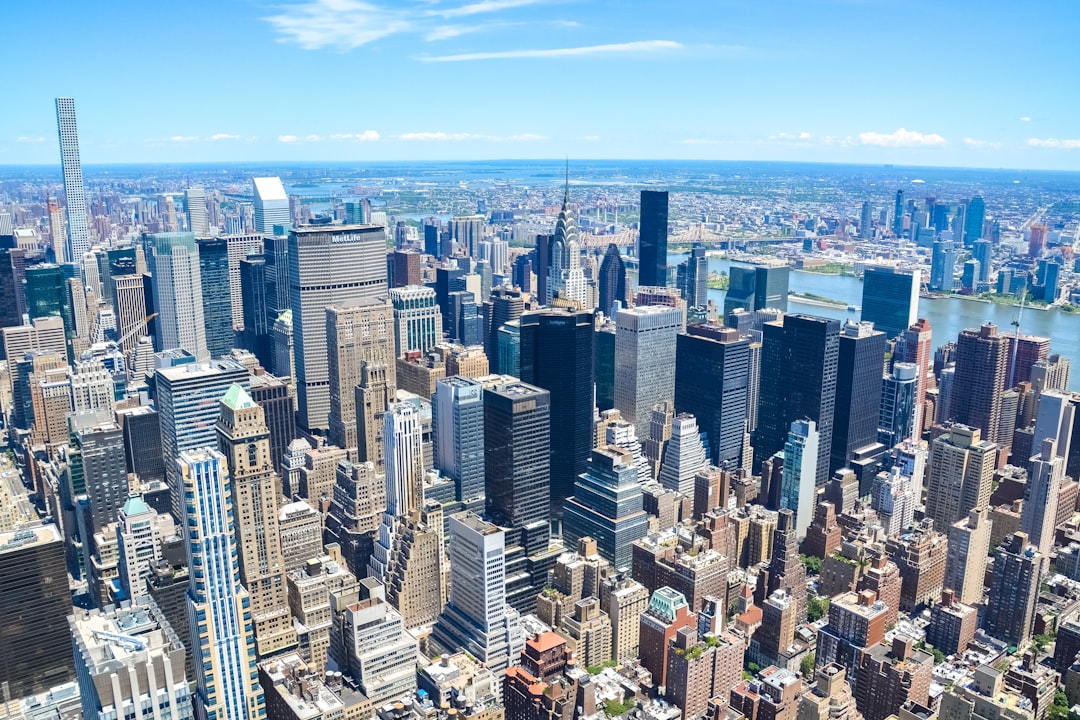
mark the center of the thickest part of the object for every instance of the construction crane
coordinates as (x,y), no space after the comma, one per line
(141,326)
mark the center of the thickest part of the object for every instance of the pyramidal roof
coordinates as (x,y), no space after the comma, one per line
(135,505)
(237,398)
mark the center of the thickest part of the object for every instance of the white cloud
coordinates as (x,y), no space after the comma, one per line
(699,141)
(640,46)
(440,136)
(367,135)
(1058,143)
(287,138)
(792,137)
(480,8)
(184,138)
(982,144)
(223,136)
(344,24)
(312,138)
(590,138)
(1025,118)
(30,139)
(445,32)
(900,138)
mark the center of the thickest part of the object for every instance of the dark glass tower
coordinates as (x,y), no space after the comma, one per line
(693,278)
(898,214)
(890,298)
(712,371)
(652,240)
(10,293)
(217,300)
(756,287)
(973,221)
(798,381)
(517,471)
(861,360)
(557,355)
(612,279)
(604,366)
(458,419)
(256,336)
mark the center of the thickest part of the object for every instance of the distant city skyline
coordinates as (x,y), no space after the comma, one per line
(833,81)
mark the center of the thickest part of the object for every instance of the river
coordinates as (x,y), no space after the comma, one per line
(947,316)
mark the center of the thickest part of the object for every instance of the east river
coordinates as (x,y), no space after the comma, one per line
(947,316)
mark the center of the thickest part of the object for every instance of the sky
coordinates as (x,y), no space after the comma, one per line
(913,82)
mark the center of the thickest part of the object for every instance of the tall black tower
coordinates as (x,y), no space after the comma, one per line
(557,355)
(652,240)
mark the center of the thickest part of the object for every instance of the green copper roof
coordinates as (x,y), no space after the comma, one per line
(135,505)
(237,397)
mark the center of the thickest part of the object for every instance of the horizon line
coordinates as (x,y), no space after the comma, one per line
(882,165)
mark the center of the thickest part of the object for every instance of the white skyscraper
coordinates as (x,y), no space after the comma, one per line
(684,456)
(477,618)
(797,487)
(893,500)
(645,361)
(271,205)
(1054,419)
(1039,516)
(78,236)
(195,204)
(178,293)
(222,631)
(402,434)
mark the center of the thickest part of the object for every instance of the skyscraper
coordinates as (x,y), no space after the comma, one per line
(612,285)
(712,373)
(1041,496)
(645,352)
(1010,609)
(973,220)
(607,506)
(222,630)
(943,264)
(866,223)
(890,298)
(757,287)
(898,214)
(327,266)
(216,295)
(404,460)
(178,297)
(798,487)
(965,567)
(517,461)
(798,382)
(271,205)
(896,421)
(418,319)
(556,354)
(187,401)
(256,335)
(129,303)
(653,238)
(982,362)
(684,456)
(693,278)
(961,473)
(477,617)
(858,393)
(103,641)
(35,649)
(917,350)
(358,335)
(458,417)
(244,440)
(78,236)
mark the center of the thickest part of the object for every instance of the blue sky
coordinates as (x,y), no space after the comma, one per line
(958,83)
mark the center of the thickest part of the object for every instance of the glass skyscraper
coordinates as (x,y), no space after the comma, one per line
(556,353)
(653,238)
(607,506)
(890,298)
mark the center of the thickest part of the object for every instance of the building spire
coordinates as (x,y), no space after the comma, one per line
(566,186)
